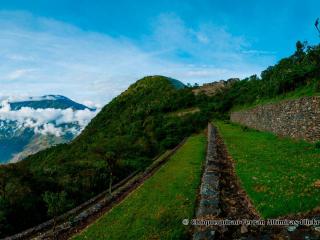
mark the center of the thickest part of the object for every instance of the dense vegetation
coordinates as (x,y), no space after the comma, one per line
(297,75)
(156,209)
(279,174)
(125,136)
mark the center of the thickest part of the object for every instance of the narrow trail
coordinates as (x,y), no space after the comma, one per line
(223,198)
(77,219)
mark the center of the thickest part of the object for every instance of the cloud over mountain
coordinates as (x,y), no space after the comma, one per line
(46,121)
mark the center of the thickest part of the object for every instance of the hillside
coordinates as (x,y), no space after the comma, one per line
(125,136)
(154,216)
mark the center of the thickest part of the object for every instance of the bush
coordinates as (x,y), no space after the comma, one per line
(245,128)
(317,145)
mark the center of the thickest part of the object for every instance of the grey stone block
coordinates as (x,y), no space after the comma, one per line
(209,203)
(208,211)
(204,235)
(208,190)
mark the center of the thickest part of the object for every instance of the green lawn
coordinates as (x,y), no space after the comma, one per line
(155,210)
(277,173)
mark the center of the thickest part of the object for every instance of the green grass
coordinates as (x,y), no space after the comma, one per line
(277,173)
(184,111)
(155,210)
(305,91)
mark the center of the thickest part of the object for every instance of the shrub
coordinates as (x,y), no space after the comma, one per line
(245,128)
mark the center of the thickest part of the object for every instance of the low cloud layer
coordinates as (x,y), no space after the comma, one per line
(46,121)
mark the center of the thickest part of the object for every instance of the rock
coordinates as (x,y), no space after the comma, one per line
(317,229)
(208,234)
(208,211)
(212,202)
(317,184)
(243,229)
(208,190)
(230,201)
(292,228)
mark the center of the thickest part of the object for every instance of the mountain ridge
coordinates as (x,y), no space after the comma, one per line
(24,129)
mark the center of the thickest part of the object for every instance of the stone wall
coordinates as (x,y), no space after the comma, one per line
(298,119)
(209,191)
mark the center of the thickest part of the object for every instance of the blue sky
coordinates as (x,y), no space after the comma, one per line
(93,50)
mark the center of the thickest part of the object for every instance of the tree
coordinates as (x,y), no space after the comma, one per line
(3,183)
(300,47)
(110,158)
(4,206)
(57,203)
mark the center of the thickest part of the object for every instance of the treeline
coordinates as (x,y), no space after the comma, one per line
(125,136)
(300,70)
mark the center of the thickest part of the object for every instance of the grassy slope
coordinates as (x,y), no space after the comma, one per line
(277,173)
(156,209)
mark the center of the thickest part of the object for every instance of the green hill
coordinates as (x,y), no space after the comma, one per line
(125,136)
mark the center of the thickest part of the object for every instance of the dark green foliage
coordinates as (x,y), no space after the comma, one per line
(317,145)
(244,128)
(56,203)
(301,70)
(124,137)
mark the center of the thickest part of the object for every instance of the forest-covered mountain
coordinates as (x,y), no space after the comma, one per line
(127,134)
(34,123)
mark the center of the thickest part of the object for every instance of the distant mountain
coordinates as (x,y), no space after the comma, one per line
(48,101)
(35,123)
(177,83)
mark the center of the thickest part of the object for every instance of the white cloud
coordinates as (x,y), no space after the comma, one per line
(42,56)
(19,73)
(46,121)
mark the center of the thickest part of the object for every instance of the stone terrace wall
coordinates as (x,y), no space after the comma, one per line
(298,119)
(209,190)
